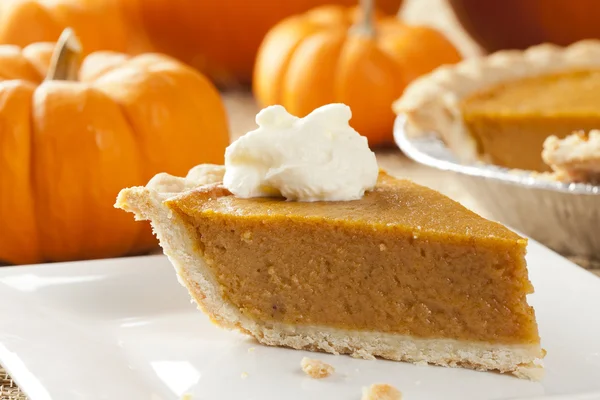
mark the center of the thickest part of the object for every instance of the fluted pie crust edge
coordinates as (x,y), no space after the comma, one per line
(432,102)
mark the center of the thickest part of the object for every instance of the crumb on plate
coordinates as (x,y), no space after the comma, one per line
(244,375)
(381,391)
(316,369)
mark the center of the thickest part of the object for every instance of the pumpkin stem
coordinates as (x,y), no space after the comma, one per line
(366,26)
(66,58)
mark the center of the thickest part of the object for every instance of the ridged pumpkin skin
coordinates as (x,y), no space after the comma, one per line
(99,23)
(68,147)
(321,57)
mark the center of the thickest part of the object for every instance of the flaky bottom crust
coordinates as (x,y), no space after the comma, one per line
(178,241)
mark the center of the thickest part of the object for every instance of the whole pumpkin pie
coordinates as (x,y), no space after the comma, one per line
(402,273)
(501,108)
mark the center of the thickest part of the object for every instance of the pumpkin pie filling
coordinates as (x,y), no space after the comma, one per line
(353,262)
(511,121)
(404,260)
(403,273)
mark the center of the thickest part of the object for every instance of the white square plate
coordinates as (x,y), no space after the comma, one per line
(125,329)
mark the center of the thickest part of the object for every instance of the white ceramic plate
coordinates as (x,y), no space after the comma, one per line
(125,329)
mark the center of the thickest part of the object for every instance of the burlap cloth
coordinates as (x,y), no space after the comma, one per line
(8,389)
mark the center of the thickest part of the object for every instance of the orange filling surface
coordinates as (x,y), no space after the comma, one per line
(511,121)
(404,259)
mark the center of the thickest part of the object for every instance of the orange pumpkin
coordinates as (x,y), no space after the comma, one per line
(70,140)
(332,54)
(98,23)
(219,37)
(519,24)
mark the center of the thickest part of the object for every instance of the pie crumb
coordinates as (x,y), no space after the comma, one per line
(251,349)
(381,391)
(575,158)
(244,375)
(533,371)
(316,369)
(186,396)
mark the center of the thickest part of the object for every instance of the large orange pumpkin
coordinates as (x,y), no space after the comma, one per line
(70,140)
(99,23)
(336,54)
(518,24)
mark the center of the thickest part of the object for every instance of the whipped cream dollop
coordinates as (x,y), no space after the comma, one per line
(315,158)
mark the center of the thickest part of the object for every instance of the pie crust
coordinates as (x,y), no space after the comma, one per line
(178,240)
(432,102)
(575,158)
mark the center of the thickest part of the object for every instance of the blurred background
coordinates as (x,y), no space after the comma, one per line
(223,61)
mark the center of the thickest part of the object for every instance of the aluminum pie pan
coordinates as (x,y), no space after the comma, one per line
(562,216)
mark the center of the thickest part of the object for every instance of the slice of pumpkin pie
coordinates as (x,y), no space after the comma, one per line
(400,271)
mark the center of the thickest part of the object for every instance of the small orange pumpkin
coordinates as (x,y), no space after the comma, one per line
(335,54)
(72,137)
